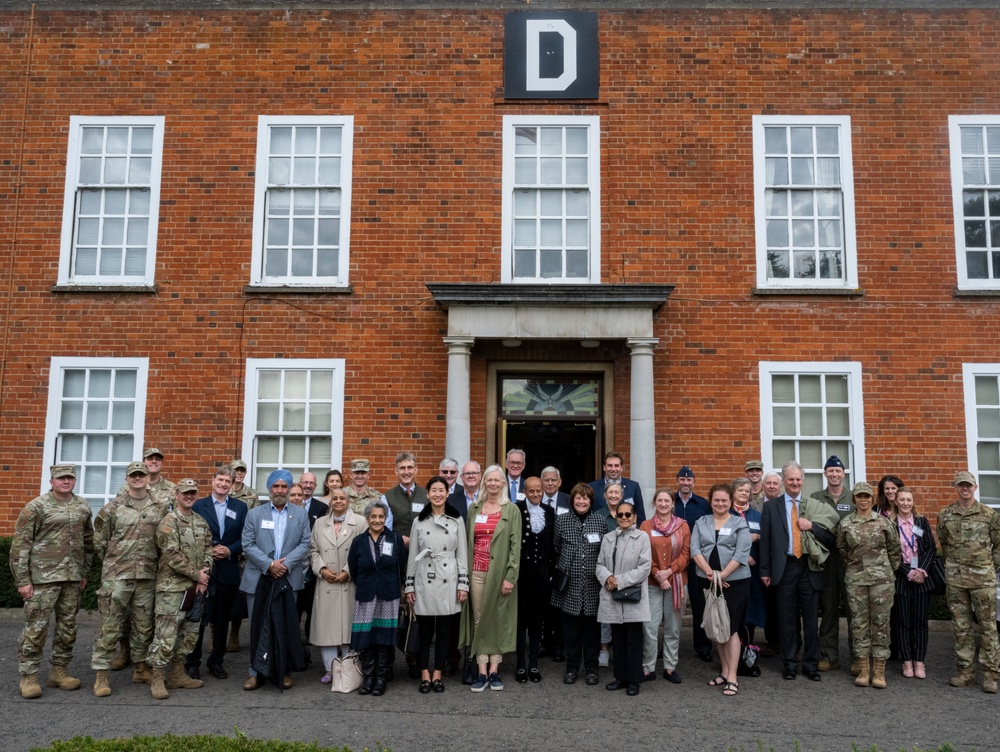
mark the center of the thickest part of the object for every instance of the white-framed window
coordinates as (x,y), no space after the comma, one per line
(302,201)
(551,199)
(804,202)
(975,190)
(96,412)
(982,427)
(112,201)
(810,411)
(293,416)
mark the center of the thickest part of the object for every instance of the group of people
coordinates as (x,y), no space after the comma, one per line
(498,563)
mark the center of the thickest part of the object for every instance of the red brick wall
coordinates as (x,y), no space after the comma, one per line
(678,90)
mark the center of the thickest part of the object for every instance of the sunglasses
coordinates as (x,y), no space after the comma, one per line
(623,515)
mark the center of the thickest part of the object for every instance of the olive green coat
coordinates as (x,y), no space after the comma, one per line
(497,631)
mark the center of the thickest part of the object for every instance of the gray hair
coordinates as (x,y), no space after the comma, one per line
(551,469)
(612,484)
(516,451)
(448,462)
(403,456)
(772,474)
(376,503)
(739,483)
(793,465)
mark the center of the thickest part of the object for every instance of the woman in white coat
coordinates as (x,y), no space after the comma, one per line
(437,578)
(333,603)
(624,562)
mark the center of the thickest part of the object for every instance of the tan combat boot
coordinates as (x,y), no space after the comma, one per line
(102,686)
(140,674)
(59,678)
(989,683)
(156,686)
(864,677)
(122,658)
(177,679)
(878,675)
(30,689)
(964,678)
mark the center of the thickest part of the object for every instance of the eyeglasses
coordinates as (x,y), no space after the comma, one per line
(623,515)
(472,474)
(449,472)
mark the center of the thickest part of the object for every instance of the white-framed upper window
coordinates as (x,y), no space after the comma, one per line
(112,201)
(293,416)
(302,201)
(95,417)
(551,199)
(804,202)
(982,427)
(808,412)
(975,190)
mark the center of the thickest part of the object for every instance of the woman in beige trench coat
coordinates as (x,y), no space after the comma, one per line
(333,604)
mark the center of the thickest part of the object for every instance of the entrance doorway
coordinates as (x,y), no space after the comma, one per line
(556,419)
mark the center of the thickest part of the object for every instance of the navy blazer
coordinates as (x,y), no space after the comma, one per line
(316,510)
(225,571)
(382,578)
(563,501)
(697,507)
(457,499)
(630,490)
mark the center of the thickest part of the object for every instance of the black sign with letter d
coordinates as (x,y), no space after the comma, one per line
(551,55)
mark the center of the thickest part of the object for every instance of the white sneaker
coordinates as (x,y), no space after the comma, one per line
(603,658)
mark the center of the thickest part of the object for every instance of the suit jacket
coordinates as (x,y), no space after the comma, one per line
(563,501)
(317,509)
(457,500)
(774,538)
(258,545)
(225,571)
(630,490)
(382,577)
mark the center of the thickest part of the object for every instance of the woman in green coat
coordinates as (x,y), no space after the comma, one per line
(489,621)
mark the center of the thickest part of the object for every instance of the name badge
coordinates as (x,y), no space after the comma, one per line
(416,507)
(753,525)
(482,519)
(267,524)
(593,537)
(657,534)
(629,500)
(914,562)
(726,531)
(521,496)
(918,531)
(231,514)
(561,510)
(843,507)
(386,548)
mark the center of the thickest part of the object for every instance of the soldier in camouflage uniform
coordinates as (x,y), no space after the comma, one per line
(870,549)
(125,539)
(185,543)
(969,533)
(359,493)
(241,490)
(50,556)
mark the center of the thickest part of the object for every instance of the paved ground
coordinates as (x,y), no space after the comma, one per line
(820,717)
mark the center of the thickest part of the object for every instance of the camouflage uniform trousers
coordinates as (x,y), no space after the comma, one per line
(175,635)
(964,602)
(61,599)
(121,603)
(870,606)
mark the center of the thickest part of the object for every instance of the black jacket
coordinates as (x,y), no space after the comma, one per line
(275,637)
(382,577)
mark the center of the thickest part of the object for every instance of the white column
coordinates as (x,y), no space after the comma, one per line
(458,431)
(642,426)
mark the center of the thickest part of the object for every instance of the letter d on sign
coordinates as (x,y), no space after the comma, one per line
(552,55)
(533,63)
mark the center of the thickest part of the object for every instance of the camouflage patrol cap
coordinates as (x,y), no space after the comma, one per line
(753,465)
(238,465)
(863,488)
(136,467)
(964,477)
(61,471)
(187,484)
(360,466)
(151,452)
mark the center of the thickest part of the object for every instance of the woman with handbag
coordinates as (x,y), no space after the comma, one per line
(670,543)
(623,566)
(720,547)
(493,542)
(437,579)
(333,601)
(913,584)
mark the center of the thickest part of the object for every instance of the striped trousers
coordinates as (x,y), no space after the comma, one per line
(912,608)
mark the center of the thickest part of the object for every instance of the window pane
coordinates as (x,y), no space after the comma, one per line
(295,384)
(294,452)
(782,452)
(578,203)
(777,171)
(784,421)
(989,489)
(320,417)
(987,390)
(827,141)
(811,454)
(321,384)
(988,422)
(267,452)
(576,140)
(95,480)
(294,416)
(577,264)
(525,140)
(524,203)
(96,415)
(774,141)
(810,389)
(972,140)
(268,416)
(811,421)
(524,263)
(122,416)
(327,263)
(330,140)
(302,262)
(802,172)
(320,452)
(122,449)
(525,171)
(577,232)
(836,389)
(279,171)
(97,449)
(305,140)
(783,389)
(802,140)
(524,232)
(139,171)
(551,172)
(71,416)
(988,456)
(551,232)
(551,203)
(100,384)
(551,263)
(281,140)
(576,171)
(976,266)
(777,233)
(802,204)
(973,171)
(552,140)
(269,385)
(838,421)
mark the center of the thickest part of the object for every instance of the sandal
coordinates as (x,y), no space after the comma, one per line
(718,681)
(327,677)
(731,689)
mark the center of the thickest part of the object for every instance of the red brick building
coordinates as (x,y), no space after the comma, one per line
(331,230)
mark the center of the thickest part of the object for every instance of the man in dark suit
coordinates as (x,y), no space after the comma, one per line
(225,517)
(691,507)
(464,496)
(552,497)
(516,459)
(560,503)
(314,510)
(785,566)
(614,466)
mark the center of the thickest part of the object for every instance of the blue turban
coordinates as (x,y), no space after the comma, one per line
(279,474)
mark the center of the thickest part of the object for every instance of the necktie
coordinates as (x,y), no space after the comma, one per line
(796,533)
(513,490)
(409,493)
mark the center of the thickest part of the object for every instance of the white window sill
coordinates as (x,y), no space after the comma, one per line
(297,290)
(150,289)
(844,292)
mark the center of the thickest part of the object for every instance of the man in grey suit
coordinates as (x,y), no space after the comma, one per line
(552,497)
(276,543)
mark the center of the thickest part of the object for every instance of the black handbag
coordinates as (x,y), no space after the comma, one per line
(470,671)
(936,576)
(560,581)
(630,594)
(408,633)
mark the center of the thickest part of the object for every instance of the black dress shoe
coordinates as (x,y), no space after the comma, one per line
(615,685)
(192,672)
(218,672)
(633,690)
(592,676)
(706,657)
(535,675)
(813,675)
(521,676)
(425,687)
(438,686)
(672,676)
(789,674)
(651,676)
(570,677)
